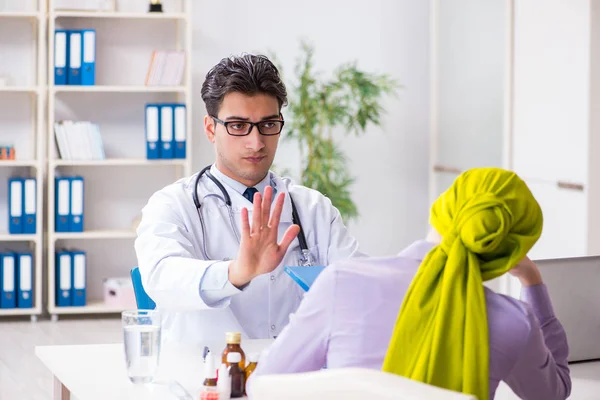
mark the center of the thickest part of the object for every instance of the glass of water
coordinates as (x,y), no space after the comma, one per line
(141,334)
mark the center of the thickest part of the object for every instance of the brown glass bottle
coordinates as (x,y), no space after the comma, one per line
(234,340)
(238,378)
(252,364)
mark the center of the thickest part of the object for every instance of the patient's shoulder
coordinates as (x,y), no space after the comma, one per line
(374,270)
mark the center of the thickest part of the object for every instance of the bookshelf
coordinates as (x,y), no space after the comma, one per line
(22,101)
(117,187)
(120,89)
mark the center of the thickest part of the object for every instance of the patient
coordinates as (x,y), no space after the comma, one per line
(425,313)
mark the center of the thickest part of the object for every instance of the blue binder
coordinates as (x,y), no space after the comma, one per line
(62,205)
(7,284)
(63,279)
(166,131)
(75,47)
(61,56)
(25,280)
(152,131)
(76,220)
(29,205)
(78,278)
(15,206)
(88,66)
(180,131)
(304,276)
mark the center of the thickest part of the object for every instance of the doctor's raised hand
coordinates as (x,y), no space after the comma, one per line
(260,253)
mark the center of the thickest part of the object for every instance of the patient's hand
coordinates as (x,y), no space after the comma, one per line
(528,273)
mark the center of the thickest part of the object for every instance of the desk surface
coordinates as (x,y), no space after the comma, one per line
(97,372)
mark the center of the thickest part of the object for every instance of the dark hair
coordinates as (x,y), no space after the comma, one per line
(248,74)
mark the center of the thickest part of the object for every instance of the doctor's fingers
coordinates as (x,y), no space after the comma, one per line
(245,223)
(266,207)
(257,213)
(274,221)
(289,235)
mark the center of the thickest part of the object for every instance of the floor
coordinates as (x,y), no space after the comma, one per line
(22,375)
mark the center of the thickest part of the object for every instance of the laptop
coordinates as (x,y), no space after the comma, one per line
(574,287)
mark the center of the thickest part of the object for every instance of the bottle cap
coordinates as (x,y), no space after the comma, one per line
(210,372)
(233,337)
(234,357)
(253,357)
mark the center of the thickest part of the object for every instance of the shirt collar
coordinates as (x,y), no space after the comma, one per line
(240,187)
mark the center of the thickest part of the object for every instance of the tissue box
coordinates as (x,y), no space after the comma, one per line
(118,292)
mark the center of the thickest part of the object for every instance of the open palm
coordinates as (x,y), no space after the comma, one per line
(260,253)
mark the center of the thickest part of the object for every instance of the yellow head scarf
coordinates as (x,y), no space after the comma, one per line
(488,220)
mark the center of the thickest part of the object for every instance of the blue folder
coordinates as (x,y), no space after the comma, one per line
(75,47)
(304,276)
(61,56)
(8,298)
(88,57)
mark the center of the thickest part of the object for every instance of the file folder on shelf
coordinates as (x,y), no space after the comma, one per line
(88,66)
(15,206)
(25,280)
(63,204)
(29,206)
(63,279)
(7,281)
(61,56)
(78,286)
(75,47)
(152,132)
(76,220)
(180,131)
(166,131)
(304,276)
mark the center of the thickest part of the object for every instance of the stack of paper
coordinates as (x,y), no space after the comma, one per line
(166,68)
(79,140)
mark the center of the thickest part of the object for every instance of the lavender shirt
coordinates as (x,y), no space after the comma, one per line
(347,319)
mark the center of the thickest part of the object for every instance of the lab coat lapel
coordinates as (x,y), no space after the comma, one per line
(238,201)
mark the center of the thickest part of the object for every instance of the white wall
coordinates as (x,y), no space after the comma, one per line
(389,36)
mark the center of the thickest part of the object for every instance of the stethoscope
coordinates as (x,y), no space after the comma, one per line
(305,257)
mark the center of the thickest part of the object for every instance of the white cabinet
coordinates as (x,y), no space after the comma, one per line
(515,84)
(551,89)
(565,224)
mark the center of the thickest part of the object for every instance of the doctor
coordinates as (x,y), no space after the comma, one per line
(212,247)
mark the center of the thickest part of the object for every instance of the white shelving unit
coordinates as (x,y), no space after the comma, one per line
(177,16)
(34,164)
(120,89)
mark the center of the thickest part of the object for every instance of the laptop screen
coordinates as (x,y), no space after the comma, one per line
(574,287)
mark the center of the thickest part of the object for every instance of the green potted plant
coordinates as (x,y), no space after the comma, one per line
(351,99)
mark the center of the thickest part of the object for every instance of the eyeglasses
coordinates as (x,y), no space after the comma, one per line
(270,127)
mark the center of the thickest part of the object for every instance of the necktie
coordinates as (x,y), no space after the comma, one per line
(249,194)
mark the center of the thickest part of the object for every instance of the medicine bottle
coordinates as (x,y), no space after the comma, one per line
(252,364)
(210,374)
(224,383)
(234,340)
(238,378)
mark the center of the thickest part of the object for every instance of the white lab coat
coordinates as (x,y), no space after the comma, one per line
(169,252)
